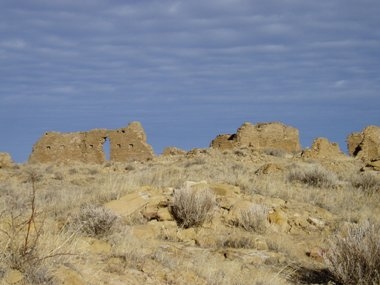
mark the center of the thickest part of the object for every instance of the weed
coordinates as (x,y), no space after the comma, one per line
(366,182)
(354,257)
(94,221)
(192,207)
(254,218)
(313,175)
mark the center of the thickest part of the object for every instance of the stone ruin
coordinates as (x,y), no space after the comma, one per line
(126,144)
(322,148)
(365,145)
(261,136)
(6,160)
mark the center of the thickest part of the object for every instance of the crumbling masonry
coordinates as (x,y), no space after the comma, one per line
(126,144)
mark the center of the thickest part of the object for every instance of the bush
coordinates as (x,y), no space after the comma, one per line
(254,218)
(192,207)
(354,258)
(313,175)
(94,221)
(366,182)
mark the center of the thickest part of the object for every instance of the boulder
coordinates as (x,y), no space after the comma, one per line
(261,136)
(5,160)
(322,148)
(365,145)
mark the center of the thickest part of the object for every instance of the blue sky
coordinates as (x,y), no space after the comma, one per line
(187,70)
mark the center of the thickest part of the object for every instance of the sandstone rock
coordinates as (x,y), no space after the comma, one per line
(365,144)
(5,160)
(279,220)
(94,245)
(322,148)
(126,144)
(227,190)
(269,168)
(128,204)
(224,142)
(164,215)
(261,136)
(171,151)
(65,275)
(375,165)
(316,253)
(13,277)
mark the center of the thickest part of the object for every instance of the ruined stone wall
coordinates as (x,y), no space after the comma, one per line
(224,142)
(129,144)
(269,135)
(126,144)
(6,160)
(322,148)
(365,144)
(261,136)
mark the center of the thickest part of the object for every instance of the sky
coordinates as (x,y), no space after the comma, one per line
(187,70)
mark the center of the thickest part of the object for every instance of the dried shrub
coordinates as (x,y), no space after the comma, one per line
(354,257)
(94,221)
(366,182)
(24,244)
(192,207)
(313,175)
(254,218)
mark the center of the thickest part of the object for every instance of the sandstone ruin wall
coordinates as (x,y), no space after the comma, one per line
(260,136)
(126,144)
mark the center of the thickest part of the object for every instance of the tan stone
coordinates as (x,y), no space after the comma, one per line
(65,275)
(13,277)
(365,144)
(126,144)
(222,189)
(279,220)
(128,204)
(375,165)
(171,151)
(5,160)
(94,245)
(224,142)
(261,136)
(269,168)
(164,215)
(322,148)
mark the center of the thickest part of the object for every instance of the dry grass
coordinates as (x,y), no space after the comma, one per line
(254,218)
(354,257)
(26,241)
(62,190)
(366,182)
(313,175)
(192,207)
(94,221)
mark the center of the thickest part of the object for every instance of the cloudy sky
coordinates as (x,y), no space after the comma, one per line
(187,70)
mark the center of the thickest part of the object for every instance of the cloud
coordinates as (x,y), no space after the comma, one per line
(187,60)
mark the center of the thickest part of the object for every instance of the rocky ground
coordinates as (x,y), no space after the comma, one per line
(207,216)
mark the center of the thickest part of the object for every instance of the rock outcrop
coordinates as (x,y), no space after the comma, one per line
(322,148)
(365,144)
(126,144)
(6,160)
(261,136)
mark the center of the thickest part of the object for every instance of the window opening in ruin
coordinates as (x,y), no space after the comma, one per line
(119,145)
(106,148)
(131,145)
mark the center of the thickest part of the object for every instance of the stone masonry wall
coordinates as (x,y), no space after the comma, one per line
(126,144)
(260,136)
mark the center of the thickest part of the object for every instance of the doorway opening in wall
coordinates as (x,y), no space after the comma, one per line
(107,148)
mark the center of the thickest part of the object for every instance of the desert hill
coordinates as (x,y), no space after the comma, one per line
(254,208)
